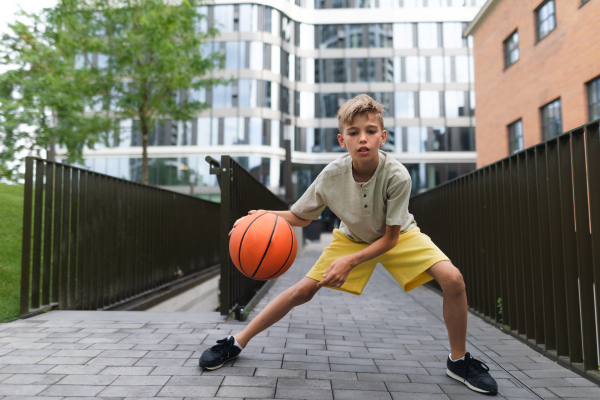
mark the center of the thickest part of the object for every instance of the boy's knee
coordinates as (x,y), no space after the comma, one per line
(454,284)
(303,293)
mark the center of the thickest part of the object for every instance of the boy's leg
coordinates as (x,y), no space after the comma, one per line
(277,308)
(227,349)
(461,366)
(455,305)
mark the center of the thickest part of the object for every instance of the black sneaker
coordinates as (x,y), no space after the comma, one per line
(472,373)
(218,355)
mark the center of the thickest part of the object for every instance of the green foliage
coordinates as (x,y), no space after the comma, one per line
(499,307)
(43,97)
(153,64)
(11,222)
(86,63)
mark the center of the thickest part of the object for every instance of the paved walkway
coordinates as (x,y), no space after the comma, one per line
(385,344)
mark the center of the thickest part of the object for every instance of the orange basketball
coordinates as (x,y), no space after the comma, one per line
(263,246)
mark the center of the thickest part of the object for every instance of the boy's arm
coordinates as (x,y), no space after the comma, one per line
(339,269)
(289,216)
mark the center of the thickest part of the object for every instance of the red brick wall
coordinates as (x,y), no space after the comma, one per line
(557,66)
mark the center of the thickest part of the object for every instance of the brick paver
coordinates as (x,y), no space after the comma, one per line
(385,344)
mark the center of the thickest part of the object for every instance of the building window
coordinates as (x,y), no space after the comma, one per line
(545,17)
(515,137)
(551,120)
(594,98)
(511,49)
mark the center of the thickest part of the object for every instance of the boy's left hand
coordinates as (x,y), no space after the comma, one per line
(337,273)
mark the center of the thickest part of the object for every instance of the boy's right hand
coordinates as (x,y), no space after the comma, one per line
(240,219)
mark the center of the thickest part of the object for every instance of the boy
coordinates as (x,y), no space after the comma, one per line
(369,191)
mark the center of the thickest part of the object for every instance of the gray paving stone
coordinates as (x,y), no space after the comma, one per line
(576,392)
(303,358)
(346,376)
(418,396)
(20,359)
(21,390)
(246,392)
(130,391)
(195,380)
(76,369)
(360,395)
(188,391)
(137,380)
(309,366)
(306,394)
(66,360)
(303,384)
(410,387)
(382,377)
(358,385)
(354,368)
(32,379)
(230,371)
(72,390)
(25,369)
(249,381)
(141,371)
(121,353)
(86,380)
(31,398)
(178,371)
(158,362)
(280,373)
(244,362)
(114,361)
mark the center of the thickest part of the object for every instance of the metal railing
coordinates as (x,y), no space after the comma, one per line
(240,192)
(91,241)
(525,232)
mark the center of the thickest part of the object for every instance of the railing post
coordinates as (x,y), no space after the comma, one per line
(26,242)
(223,173)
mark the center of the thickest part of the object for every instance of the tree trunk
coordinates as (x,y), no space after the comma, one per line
(144,126)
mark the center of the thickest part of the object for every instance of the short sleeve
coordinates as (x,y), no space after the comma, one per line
(398,195)
(311,204)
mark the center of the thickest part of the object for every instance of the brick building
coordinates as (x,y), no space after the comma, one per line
(537,72)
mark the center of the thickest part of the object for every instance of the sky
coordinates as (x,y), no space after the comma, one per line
(10,7)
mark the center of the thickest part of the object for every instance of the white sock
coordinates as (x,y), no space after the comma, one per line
(450,357)
(235,342)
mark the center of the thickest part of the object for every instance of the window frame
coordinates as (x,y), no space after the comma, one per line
(512,138)
(545,133)
(508,52)
(538,22)
(589,86)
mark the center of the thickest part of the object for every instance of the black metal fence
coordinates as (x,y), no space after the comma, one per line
(240,192)
(91,241)
(525,232)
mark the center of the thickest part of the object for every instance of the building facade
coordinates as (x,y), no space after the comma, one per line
(290,68)
(537,72)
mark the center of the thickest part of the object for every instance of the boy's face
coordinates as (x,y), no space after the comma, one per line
(363,137)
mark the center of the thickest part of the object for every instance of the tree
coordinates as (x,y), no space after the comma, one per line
(151,49)
(43,97)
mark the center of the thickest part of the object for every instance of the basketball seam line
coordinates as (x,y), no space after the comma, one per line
(268,244)
(289,254)
(242,241)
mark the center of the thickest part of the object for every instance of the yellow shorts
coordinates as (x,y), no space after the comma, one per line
(406,262)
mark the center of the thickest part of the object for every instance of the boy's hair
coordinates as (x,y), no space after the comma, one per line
(361,104)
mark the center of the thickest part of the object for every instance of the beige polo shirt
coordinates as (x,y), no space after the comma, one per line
(364,208)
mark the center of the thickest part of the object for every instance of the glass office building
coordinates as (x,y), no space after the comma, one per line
(291,65)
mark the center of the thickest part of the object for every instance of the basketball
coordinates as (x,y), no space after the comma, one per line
(263,246)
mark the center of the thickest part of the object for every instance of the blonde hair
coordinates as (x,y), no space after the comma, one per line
(360,104)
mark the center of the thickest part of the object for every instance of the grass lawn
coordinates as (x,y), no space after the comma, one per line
(11,224)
